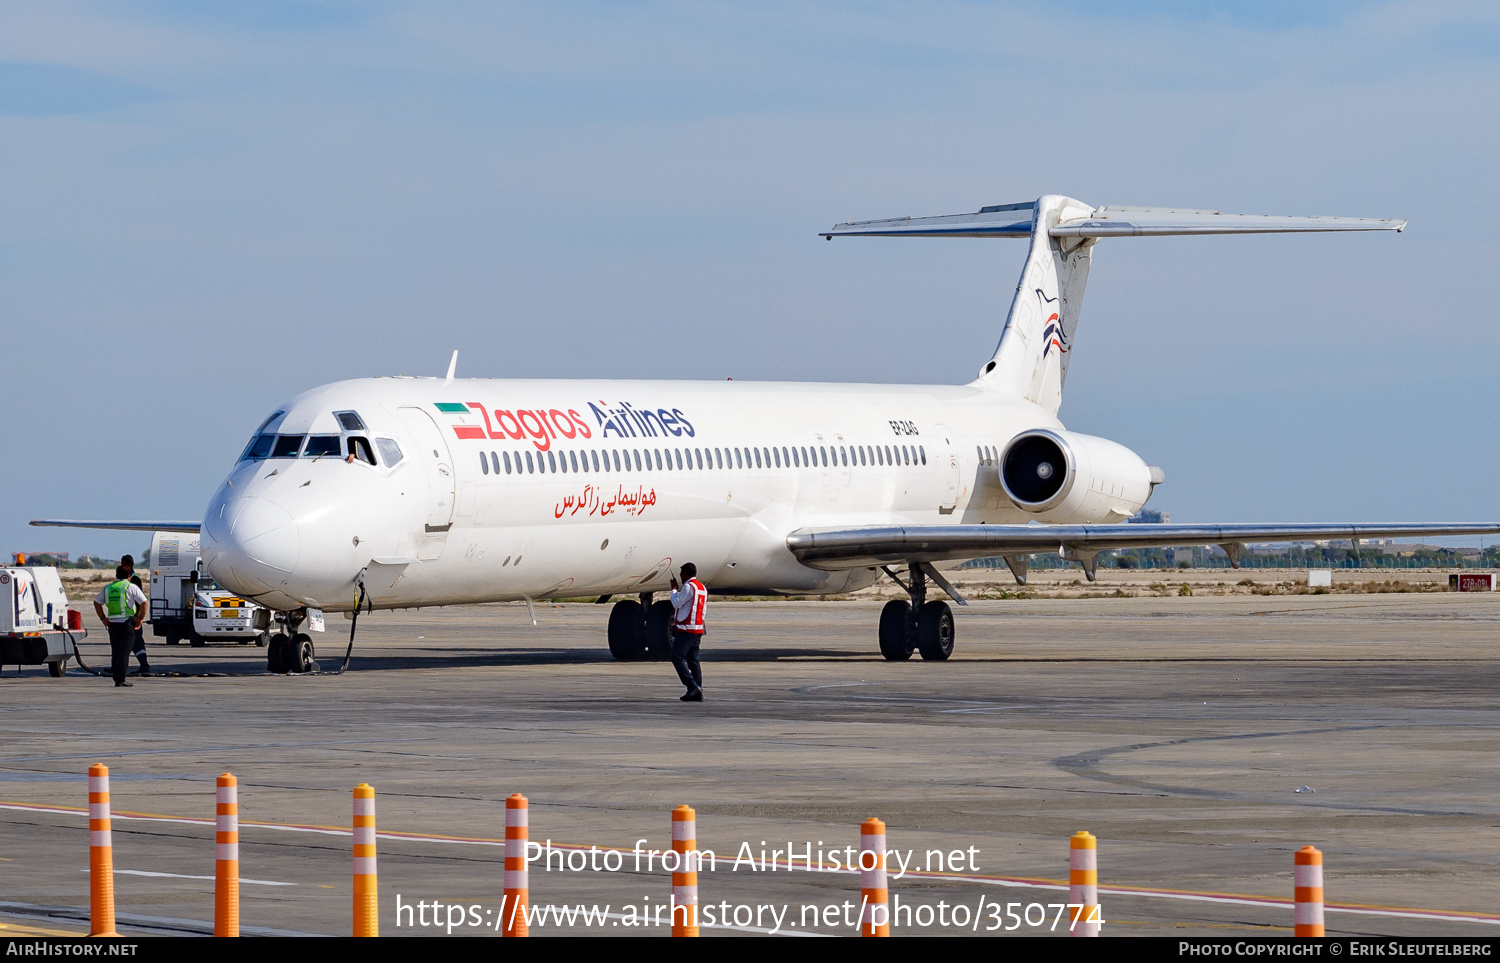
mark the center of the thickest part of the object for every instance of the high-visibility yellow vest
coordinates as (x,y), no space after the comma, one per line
(117,603)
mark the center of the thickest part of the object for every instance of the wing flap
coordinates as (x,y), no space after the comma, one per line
(862,547)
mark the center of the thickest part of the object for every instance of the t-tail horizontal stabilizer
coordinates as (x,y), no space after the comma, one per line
(1032,357)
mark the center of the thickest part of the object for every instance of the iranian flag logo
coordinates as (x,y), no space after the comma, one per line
(462,431)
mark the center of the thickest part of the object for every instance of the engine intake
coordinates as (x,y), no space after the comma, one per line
(1065,477)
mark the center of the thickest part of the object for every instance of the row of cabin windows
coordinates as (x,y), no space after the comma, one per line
(702,459)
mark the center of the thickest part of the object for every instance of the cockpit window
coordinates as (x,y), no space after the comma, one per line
(323,446)
(287,446)
(259,447)
(360,448)
(390,452)
(350,420)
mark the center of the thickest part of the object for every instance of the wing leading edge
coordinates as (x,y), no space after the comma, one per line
(861,547)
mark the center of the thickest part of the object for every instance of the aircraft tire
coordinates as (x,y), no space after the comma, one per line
(625,640)
(276,653)
(895,643)
(935,631)
(659,630)
(301,655)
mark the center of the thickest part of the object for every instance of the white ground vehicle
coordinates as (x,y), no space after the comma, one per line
(187,604)
(34,619)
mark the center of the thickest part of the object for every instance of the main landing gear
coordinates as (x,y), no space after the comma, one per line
(290,650)
(641,629)
(918,625)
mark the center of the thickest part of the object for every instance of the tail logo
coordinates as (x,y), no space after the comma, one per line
(1053,334)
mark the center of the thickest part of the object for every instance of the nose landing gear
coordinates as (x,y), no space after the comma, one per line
(290,650)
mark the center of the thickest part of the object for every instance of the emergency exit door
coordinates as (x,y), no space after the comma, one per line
(947,460)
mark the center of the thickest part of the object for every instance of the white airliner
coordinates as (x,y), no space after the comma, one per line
(405,492)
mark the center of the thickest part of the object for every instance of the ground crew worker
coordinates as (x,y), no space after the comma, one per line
(138,646)
(122,609)
(688,603)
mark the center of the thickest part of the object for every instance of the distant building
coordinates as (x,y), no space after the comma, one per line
(1147,516)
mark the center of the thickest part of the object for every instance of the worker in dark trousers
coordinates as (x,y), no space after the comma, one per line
(139,645)
(688,603)
(122,608)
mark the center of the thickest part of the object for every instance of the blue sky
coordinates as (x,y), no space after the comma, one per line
(211,207)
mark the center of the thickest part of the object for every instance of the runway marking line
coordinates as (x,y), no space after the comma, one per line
(1201,896)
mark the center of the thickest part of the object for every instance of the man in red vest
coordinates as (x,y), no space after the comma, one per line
(688,603)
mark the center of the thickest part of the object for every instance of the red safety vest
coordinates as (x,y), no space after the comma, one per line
(694,620)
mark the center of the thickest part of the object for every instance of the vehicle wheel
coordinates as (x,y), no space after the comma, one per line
(174,639)
(277,655)
(302,655)
(659,630)
(935,631)
(197,641)
(895,642)
(625,640)
(56,669)
(260,639)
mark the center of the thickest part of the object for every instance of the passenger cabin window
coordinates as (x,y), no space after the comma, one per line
(287,446)
(350,421)
(361,450)
(390,452)
(323,446)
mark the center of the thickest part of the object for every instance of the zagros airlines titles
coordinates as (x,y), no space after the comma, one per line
(540,426)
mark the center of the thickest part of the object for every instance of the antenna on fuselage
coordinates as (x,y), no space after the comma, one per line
(452,365)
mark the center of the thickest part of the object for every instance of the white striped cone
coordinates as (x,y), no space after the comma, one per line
(366,890)
(685,874)
(1083,884)
(875,908)
(1307,882)
(101,855)
(517,878)
(227,857)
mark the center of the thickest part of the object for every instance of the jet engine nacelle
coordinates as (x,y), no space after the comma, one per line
(1068,478)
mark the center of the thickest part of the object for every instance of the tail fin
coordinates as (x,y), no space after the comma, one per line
(1037,341)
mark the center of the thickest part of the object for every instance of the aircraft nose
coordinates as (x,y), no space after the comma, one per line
(261,534)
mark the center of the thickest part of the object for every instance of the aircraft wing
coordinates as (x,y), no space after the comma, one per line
(861,547)
(119,526)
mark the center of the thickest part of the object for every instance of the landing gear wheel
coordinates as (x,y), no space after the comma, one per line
(659,630)
(302,655)
(625,640)
(277,654)
(935,631)
(56,669)
(895,642)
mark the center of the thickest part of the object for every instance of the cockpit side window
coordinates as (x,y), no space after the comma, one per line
(259,447)
(350,420)
(390,452)
(323,446)
(360,449)
(287,446)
